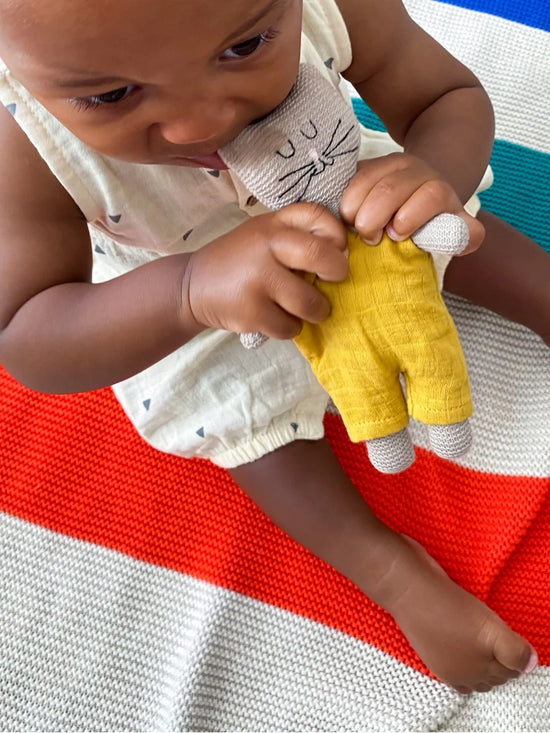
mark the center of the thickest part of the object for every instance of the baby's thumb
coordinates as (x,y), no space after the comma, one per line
(476,231)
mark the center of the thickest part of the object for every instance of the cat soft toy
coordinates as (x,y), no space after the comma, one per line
(387,318)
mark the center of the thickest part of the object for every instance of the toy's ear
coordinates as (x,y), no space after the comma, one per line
(305,150)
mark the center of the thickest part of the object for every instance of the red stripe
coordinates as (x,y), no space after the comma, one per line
(76,466)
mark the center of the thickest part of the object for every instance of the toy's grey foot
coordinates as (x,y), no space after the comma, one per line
(393,453)
(451,441)
(253,340)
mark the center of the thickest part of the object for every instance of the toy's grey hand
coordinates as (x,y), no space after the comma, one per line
(252,340)
(445,233)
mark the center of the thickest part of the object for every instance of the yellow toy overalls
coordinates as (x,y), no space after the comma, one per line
(387,319)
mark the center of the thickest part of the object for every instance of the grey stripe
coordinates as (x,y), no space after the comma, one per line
(521,706)
(94,640)
(517,83)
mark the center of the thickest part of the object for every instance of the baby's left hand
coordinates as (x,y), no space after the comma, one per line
(398,193)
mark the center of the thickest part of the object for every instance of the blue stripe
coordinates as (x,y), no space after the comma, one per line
(535,13)
(520,193)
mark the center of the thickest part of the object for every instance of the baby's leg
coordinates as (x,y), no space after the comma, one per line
(509,274)
(304,490)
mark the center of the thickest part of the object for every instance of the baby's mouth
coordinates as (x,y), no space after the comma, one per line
(210,160)
(259,119)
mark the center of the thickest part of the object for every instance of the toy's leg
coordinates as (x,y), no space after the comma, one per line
(508,274)
(438,391)
(451,441)
(392,453)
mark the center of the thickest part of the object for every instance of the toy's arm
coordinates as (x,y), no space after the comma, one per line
(445,234)
(253,339)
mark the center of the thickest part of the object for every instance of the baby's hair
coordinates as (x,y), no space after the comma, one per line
(16,10)
(11,6)
(22,11)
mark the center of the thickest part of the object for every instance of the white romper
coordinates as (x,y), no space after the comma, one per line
(211,398)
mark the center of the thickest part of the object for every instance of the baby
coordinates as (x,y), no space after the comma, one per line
(114,113)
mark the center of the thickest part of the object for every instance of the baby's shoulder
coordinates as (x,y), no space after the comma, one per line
(27,186)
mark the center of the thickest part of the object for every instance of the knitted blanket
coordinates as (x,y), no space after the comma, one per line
(139,591)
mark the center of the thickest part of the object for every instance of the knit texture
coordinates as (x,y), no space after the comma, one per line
(110,612)
(382,452)
(145,592)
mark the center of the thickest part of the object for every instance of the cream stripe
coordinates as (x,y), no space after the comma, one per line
(94,640)
(511,60)
(509,369)
(521,706)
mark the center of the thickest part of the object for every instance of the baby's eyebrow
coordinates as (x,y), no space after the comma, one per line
(269,7)
(89,82)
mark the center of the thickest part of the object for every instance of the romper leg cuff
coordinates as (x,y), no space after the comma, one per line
(305,422)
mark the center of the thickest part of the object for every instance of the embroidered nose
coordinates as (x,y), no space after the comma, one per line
(318,162)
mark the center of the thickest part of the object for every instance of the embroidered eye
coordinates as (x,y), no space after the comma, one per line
(310,132)
(98,100)
(250,46)
(290,152)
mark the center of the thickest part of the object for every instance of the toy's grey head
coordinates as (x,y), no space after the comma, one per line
(305,150)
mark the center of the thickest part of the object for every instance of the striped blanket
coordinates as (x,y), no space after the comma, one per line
(139,591)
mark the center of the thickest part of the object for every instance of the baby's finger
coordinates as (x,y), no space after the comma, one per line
(302,250)
(279,324)
(377,191)
(315,220)
(369,173)
(297,297)
(477,233)
(431,198)
(380,206)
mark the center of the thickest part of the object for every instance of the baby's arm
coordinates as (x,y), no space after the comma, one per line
(438,110)
(431,104)
(61,333)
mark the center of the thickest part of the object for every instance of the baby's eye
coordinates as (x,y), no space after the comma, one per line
(97,100)
(248,47)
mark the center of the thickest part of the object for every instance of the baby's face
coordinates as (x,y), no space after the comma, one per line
(154,81)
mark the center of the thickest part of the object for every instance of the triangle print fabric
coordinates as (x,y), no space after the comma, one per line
(140,591)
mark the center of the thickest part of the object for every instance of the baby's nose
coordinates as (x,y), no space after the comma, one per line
(198,124)
(317,160)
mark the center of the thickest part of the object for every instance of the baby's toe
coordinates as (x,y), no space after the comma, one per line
(514,652)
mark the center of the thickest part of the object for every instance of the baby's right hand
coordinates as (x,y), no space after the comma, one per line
(250,279)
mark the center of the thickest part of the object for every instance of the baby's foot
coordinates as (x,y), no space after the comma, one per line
(457,636)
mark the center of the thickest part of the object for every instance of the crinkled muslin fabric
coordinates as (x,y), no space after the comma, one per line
(143,591)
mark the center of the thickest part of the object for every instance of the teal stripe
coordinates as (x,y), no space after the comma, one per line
(366,116)
(521,191)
